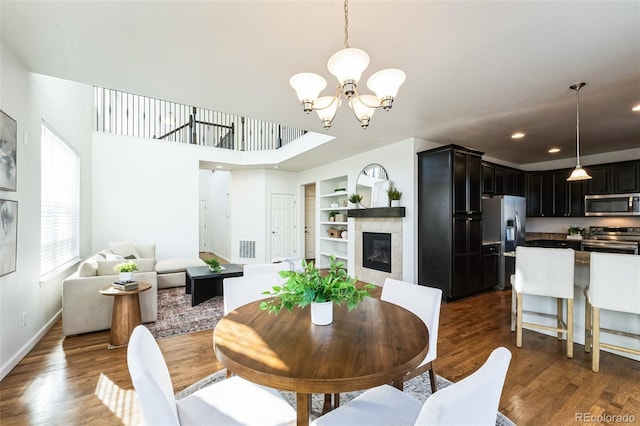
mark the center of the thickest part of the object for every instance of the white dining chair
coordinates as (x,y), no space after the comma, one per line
(424,302)
(545,272)
(238,291)
(473,400)
(614,285)
(233,401)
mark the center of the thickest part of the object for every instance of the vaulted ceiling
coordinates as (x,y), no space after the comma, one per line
(477,71)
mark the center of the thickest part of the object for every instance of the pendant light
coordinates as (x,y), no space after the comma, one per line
(578,173)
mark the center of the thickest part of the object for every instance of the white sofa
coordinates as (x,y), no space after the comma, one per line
(84,309)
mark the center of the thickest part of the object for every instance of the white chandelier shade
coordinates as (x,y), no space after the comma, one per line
(386,83)
(326,107)
(364,106)
(347,65)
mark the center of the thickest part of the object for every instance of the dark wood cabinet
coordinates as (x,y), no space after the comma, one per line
(626,177)
(500,177)
(600,182)
(490,265)
(450,221)
(540,194)
(502,180)
(488,174)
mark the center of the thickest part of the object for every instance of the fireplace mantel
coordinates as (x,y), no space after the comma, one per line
(374,212)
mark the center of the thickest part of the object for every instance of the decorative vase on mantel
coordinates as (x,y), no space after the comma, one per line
(322,313)
(125,276)
(395,203)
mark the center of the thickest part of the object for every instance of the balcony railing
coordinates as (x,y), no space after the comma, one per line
(140,116)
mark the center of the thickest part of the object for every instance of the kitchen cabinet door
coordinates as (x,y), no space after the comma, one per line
(510,182)
(500,177)
(467,256)
(560,192)
(467,185)
(626,177)
(487,178)
(600,182)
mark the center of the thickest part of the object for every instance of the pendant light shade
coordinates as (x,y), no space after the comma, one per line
(363,107)
(578,173)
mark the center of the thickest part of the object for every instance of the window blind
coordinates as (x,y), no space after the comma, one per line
(60,202)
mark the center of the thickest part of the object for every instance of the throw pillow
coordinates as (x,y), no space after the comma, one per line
(89,268)
(124,249)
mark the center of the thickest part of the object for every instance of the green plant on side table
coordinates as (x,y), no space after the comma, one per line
(303,288)
(130,266)
(214,264)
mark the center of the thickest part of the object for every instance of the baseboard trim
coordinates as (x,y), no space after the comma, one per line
(15,359)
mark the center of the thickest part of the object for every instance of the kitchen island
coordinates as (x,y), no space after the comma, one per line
(620,321)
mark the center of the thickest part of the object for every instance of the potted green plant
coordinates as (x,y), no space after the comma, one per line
(214,264)
(394,196)
(125,270)
(355,200)
(332,216)
(575,233)
(310,287)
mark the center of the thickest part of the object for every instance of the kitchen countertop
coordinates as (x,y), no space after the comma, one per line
(581,257)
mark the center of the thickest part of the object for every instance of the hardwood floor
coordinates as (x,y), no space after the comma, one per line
(77,380)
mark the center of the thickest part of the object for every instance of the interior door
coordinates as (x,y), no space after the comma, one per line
(202,226)
(282,226)
(310,221)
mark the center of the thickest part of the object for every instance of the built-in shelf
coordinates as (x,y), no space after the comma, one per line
(377,212)
(342,240)
(329,246)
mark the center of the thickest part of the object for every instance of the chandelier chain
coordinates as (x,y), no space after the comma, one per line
(346,24)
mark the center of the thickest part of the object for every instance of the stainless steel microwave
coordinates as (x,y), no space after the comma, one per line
(612,205)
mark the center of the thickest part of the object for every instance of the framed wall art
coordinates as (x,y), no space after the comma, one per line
(8,236)
(8,151)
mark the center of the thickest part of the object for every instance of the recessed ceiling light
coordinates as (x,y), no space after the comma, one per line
(517,135)
(636,108)
(218,167)
(553,150)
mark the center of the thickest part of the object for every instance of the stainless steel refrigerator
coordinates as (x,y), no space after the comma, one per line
(503,220)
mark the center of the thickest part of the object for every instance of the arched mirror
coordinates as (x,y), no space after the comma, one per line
(372,184)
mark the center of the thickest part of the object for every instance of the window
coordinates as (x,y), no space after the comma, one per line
(60,203)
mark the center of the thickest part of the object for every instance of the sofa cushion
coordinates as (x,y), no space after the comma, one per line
(89,268)
(105,267)
(168,266)
(124,249)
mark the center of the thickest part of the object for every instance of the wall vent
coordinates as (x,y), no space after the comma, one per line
(248,249)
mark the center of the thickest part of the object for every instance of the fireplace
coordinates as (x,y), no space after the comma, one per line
(376,251)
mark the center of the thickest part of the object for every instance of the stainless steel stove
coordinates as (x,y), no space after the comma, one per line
(613,239)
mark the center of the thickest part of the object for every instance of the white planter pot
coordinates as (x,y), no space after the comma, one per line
(354,205)
(395,203)
(125,276)
(322,313)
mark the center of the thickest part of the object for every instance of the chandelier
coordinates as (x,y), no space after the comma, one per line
(347,66)
(578,173)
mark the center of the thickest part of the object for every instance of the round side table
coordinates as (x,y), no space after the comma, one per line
(126,313)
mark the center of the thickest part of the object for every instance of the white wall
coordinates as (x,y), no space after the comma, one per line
(66,107)
(145,191)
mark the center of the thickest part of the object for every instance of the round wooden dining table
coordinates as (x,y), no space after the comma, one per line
(374,344)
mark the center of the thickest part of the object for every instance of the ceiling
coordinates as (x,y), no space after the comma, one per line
(477,71)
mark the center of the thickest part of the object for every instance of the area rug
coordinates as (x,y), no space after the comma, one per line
(177,316)
(419,388)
